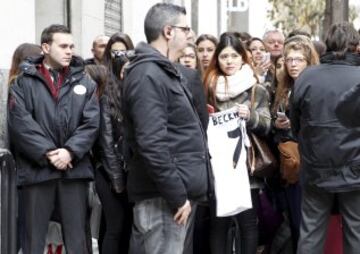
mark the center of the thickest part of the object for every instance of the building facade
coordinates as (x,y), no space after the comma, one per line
(87,19)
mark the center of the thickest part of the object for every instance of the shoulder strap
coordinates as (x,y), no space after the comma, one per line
(252,101)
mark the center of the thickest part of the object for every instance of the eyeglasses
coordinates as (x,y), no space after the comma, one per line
(296,60)
(122,53)
(185,29)
(191,56)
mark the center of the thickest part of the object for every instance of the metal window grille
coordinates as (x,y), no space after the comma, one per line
(113,16)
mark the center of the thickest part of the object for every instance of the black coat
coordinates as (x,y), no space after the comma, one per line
(39,123)
(168,156)
(330,152)
(108,150)
(89,61)
(196,88)
(348,108)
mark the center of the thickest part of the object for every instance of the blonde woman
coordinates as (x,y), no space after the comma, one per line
(299,53)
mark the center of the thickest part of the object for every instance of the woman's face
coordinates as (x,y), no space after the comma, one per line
(205,51)
(295,63)
(230,61)
(118,47)
(257,50)
(188,58)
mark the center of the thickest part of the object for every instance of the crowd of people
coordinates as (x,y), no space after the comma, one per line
(134,120)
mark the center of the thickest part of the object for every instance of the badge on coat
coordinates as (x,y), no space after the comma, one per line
(80,89)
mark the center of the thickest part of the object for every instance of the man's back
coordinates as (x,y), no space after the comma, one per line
(325,143)
(330,153)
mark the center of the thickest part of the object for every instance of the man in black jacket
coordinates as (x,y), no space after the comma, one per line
(196,88)
(330,152)
(168,150)
(53,123)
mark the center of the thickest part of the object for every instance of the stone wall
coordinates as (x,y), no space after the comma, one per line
(3,111)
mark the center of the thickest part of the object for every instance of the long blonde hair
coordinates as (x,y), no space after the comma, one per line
(285,84)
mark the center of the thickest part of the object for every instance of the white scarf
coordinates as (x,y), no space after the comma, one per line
(241,81)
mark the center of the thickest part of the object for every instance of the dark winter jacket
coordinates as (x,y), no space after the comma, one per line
(196,88)
(39,123)
(348,108)
(330,152)
(89,61)
(168,147)
(108,150)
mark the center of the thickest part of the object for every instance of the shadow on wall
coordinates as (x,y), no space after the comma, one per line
(3,112)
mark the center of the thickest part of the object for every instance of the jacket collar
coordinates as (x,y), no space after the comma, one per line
(30,66)
(352,59)
(146,53)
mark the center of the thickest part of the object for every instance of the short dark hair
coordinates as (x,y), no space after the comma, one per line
(242,36)
(298,32)
(320,47)
(342,38)
(158,17)
(205,37)
(48,32)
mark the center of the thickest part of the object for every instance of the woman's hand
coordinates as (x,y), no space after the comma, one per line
(262,68)
(282,123)
(244,111)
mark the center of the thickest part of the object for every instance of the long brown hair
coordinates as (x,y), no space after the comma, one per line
(286,83)
(98,73)
(114,64)
(213,72)
(116,37)
(22,52)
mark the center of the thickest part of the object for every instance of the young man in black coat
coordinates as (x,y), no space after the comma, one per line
(53,123)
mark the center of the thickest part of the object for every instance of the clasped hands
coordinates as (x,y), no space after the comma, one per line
(60,158)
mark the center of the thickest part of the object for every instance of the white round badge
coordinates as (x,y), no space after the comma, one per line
(80,89)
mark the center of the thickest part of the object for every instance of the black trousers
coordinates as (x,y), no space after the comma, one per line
(118,217)
(37,203)
(247,225)
(202,230)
